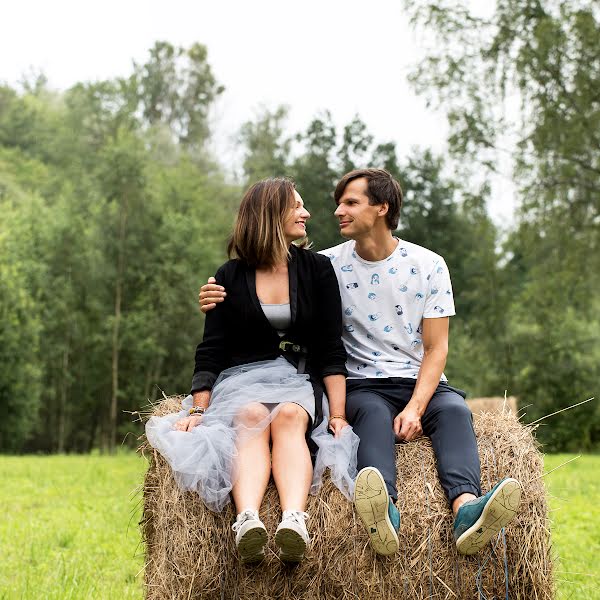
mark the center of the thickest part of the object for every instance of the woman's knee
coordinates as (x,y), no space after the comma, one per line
(252,414)
(290,415)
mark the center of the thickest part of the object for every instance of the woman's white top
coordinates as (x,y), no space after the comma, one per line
(279,315)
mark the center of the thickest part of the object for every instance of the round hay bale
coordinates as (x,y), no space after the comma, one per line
(190,551)
(493,404)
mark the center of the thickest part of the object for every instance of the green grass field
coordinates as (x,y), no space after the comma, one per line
(68,528)
(575,505)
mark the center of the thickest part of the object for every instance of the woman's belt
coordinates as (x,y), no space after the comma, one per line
(292,348)
(286,346)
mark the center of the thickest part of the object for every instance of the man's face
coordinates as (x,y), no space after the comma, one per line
(356,216)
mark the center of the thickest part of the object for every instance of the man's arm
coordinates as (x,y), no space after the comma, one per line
(210,294)
(407,425)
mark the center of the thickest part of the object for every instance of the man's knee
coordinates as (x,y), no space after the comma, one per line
(455,410)
(252,414)
(370,408)
(448,409)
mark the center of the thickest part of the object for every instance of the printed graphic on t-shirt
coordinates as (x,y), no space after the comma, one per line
(384,304)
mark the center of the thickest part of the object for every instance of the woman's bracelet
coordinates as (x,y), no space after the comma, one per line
(197,410)
(337,417)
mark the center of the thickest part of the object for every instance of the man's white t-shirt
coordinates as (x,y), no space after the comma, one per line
(384,304)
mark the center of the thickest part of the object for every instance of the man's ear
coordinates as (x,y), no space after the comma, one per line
(383,209)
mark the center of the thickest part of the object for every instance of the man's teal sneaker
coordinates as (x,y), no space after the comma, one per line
(478,521)
(378,513)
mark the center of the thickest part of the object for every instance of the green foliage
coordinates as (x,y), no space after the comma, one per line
(176,87)
(22,238)
(356,141)
(546,56)
(316,174)
(114,212)
(453,222)
(557,358)
(266,146)
(541,53)
(19,376)
(112,217)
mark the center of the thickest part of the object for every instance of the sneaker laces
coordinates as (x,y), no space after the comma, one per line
(243,517)
(295,515)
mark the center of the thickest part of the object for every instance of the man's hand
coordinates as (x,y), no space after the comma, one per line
(210,293)
(188,423)
(407,425)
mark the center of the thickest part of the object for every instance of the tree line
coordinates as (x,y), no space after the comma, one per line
(114,211)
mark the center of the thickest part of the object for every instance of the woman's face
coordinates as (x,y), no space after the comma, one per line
(294,225)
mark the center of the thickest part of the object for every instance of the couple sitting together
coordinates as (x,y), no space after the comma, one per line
(315,360)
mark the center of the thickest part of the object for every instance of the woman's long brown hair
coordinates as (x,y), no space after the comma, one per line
(258,233)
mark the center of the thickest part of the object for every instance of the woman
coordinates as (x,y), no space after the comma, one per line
(257,389)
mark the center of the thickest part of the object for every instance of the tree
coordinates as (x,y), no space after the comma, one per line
(439,214)
(266,147)
(544,54)
(123,181)
(20,325)
(316,177)
(176,87)
(356,141)
(111,218)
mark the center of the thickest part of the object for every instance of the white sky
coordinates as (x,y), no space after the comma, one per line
(348,56)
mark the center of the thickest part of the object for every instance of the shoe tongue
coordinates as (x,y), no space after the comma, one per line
(246,514)
(295,514)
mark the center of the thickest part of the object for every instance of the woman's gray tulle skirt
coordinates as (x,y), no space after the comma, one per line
(203,459)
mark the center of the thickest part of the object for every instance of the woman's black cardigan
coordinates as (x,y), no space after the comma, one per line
(237,332)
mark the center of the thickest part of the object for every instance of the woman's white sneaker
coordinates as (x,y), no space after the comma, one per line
(251,536)
(291,535)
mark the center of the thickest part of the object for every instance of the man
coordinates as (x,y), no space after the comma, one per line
(397,299)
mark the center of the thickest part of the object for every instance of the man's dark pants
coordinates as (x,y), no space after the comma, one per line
(373,403)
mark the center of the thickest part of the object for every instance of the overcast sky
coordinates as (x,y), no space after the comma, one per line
(348,56)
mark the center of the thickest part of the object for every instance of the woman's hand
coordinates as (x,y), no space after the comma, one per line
(188,423)
(336,425)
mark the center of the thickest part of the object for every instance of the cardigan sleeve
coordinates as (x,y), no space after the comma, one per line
(211,353)
(329,352)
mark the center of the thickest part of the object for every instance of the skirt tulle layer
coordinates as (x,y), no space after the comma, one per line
(203,459)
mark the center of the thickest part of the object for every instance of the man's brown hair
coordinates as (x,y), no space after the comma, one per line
(258,233)
(382,188)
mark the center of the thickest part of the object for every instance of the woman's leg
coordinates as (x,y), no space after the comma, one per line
(253,465)
(292,466)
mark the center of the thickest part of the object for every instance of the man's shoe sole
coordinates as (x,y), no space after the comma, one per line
(291,544)
(498,511)
(372,500)
(251,546)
